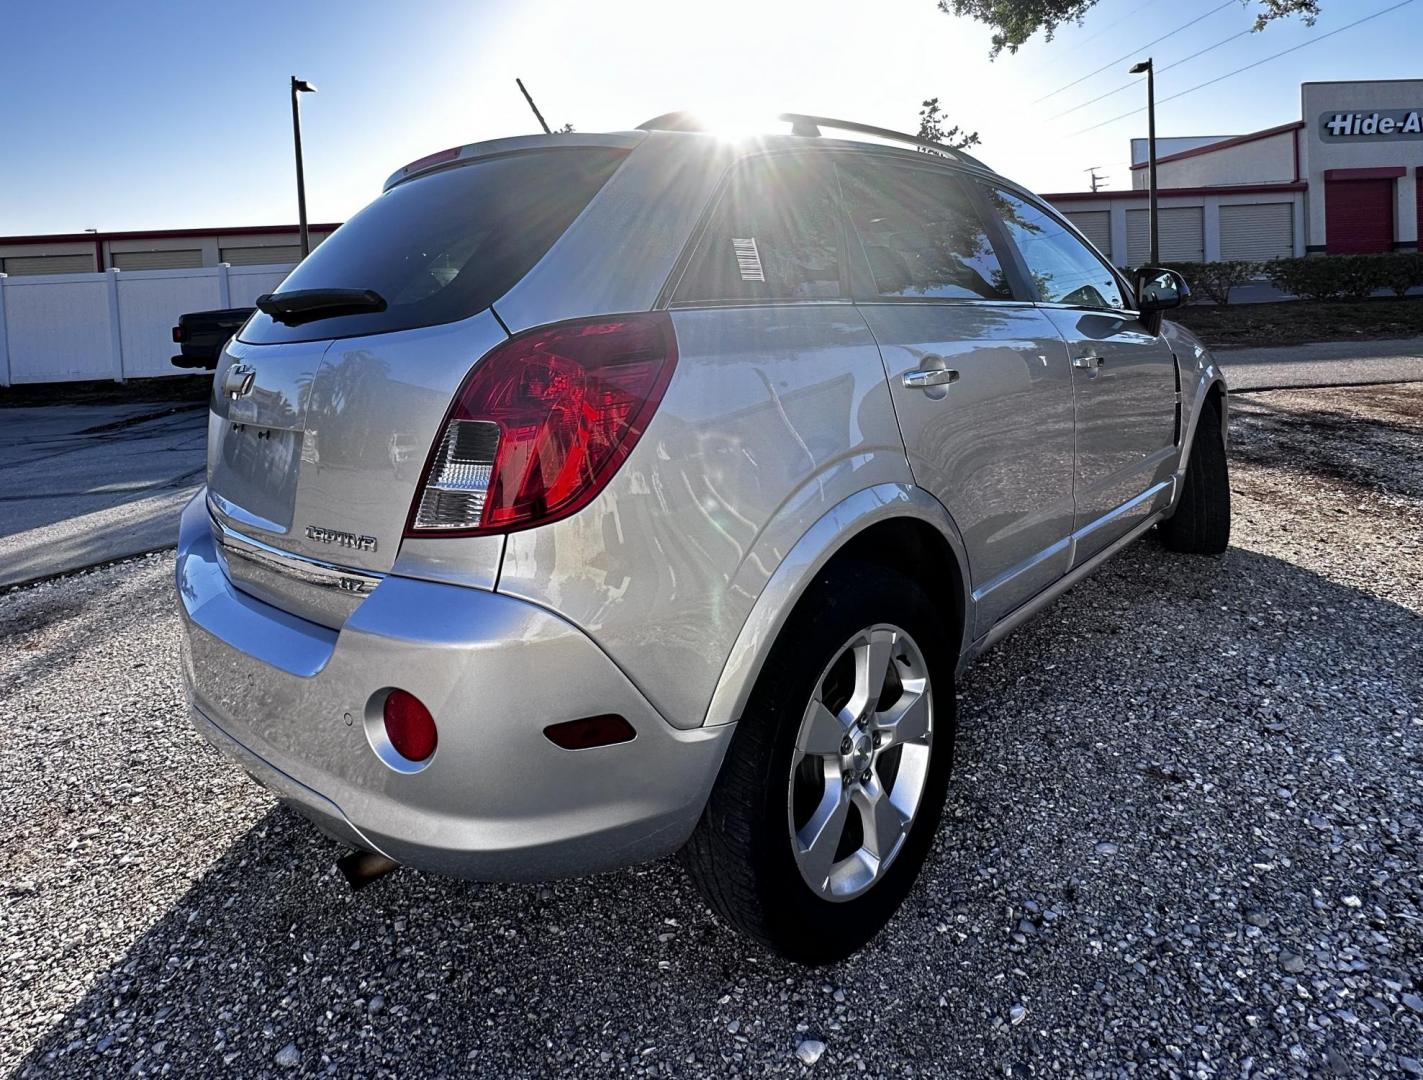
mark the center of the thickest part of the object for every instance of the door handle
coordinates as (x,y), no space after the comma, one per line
(924,378)
(238,380)
(1089,363)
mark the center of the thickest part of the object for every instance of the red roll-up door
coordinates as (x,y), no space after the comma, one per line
(1358,216)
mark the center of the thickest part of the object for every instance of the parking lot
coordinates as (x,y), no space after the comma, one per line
(1183,838)
(88,483)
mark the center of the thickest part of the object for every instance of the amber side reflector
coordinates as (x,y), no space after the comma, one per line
(590,731)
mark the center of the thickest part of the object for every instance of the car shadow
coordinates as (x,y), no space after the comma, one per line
(1109,757)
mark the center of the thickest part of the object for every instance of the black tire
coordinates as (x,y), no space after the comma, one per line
(740,854)
(1201,523)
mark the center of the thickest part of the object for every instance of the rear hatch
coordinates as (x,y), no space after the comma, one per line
(322,420)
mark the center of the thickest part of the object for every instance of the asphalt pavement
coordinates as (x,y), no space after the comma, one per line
(1183,838)
(1328,363)
(86,484)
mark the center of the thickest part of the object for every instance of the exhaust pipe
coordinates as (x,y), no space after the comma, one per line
(360,868)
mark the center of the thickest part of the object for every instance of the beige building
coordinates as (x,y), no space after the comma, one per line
(1342,179)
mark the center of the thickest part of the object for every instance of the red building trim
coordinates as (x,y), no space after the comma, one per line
(1387,172)
(1211,148)
(1141,193)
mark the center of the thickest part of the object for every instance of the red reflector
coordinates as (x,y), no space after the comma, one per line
(569,402)
(590,731)
(433,159)
(409,726)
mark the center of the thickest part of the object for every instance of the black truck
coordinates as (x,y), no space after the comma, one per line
(202,334)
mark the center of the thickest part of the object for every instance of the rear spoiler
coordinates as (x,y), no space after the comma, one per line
(463,155)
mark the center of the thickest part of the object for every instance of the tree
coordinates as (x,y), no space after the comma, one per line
(567,129)
(1014,21)
(931,127)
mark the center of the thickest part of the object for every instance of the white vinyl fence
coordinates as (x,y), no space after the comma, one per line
(114,325)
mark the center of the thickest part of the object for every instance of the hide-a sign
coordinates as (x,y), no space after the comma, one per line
(1374,126)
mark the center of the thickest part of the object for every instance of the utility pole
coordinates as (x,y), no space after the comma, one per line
(1152,216)
(542,123)
(300,86)
(1095,179)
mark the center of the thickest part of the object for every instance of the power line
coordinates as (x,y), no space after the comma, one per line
(1132,14)
(1139,49)
(1247,67)
(1164,67)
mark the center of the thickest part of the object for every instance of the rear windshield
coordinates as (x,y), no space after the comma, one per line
(445,246)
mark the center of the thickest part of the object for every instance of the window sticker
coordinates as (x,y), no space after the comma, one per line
(748,259)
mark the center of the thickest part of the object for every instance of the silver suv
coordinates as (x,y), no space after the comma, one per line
(590,497)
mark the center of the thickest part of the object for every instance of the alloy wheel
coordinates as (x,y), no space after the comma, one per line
(861,762)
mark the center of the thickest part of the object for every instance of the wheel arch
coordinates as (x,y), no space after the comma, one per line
(1213,389)
(899,526)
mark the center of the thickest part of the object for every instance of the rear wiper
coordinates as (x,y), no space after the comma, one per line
(307,305)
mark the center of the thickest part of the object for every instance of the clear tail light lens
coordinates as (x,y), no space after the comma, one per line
(542,423)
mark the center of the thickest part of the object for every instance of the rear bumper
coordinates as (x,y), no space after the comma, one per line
(290,701)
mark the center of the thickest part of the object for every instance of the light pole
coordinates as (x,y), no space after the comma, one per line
(300,86)
(1151,216)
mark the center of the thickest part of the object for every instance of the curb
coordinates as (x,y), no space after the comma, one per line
(12,586)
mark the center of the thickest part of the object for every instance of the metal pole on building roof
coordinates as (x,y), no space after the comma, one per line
(300,86)
(1151,216)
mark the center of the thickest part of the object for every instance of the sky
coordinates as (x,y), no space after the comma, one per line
(176,115)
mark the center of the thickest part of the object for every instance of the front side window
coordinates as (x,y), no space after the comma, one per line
(921,234)
(1063,269)
(774,235)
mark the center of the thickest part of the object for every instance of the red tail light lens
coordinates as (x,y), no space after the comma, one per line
(542,424)
(409,726)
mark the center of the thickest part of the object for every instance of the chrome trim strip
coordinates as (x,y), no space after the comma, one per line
(1020,615)
(218,508)
(314,572)
(1125,314)
(1049,552)
(1125,508)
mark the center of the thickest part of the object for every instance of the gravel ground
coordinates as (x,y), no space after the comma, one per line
(1183,839)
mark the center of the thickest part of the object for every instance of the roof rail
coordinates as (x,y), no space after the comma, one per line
(809,127)
(801,124)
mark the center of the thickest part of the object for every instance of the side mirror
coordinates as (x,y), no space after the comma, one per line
(1158,289)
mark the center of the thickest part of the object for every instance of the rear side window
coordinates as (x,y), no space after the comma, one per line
(445,246)
(1063,269)
(774,235)
(922,236)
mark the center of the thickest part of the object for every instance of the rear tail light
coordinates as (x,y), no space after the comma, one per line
(179,334)
(542,423)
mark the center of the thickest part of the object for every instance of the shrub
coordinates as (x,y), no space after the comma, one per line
(1402,272)
(1215,280)
(1348,277)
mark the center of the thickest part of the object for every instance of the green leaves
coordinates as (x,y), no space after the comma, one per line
(931,127)
(1015,21)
